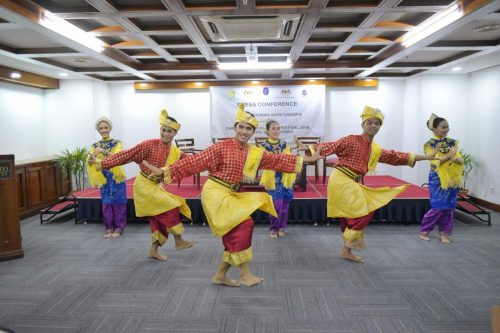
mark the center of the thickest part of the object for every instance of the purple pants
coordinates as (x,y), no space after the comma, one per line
(281,221)
(115,217)
(444,218)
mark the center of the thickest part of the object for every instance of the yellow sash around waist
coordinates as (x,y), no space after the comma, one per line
(150,199)
(225,209)
(349,199)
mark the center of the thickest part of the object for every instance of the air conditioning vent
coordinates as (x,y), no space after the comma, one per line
(288,28)
(213,28)
(251,28)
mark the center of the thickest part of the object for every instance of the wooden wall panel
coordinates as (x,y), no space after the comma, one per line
(35,194)
(39,184)
(49,182)
(22,198)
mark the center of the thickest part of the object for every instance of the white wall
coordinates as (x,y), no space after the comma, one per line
(21,121)
(446,96)
(484,134)
(344,107)
(135,115)
(70,113)
(36,123)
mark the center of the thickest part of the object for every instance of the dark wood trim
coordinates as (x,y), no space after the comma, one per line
(28,79)
(364,83)
(486,204)
(11,255)
(10,229)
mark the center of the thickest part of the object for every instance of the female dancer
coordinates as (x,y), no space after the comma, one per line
(445,179)
(278,184)
(110,182)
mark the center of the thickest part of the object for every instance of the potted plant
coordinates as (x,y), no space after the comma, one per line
(468,166)
(73,163)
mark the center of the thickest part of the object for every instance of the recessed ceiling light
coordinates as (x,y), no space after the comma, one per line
(15,75)
(257,65)
(81,60)
(63,74)
(487,28)
(457,68)
(198,83)
(255,82)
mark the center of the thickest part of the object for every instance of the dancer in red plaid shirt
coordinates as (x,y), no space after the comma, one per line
(150,197)
(228,211)
(353,203)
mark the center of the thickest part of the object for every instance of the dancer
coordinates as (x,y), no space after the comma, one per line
(228,211)
(445,179)
(279,185)
(353,203)
(110,183)
(150,197)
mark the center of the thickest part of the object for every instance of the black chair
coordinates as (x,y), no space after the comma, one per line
(187,147)
(215,140)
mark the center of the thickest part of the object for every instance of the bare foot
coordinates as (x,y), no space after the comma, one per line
(250,280)
(281,233)
(348,255)
(153,253)
(225,281)
(107,235)
(424,237)
(352,257)
(273,235)
(445,240)
(182,244)
(115,234)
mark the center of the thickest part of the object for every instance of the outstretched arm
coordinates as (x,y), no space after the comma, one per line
(135,154)
(430,156)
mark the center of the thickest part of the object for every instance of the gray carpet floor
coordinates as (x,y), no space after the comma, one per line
(74,280)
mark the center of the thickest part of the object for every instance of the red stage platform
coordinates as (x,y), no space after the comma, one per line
(309,205)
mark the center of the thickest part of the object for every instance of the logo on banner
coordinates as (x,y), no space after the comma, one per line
(285,92)
(248,92)
(304,92)
(265,91)
(231,94)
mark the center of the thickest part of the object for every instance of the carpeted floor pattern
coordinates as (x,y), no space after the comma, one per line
(74,280)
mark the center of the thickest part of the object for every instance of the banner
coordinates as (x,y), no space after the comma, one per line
(300,110)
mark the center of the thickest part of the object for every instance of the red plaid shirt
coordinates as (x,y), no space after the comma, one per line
(354,152)
(154,151)
(225,160)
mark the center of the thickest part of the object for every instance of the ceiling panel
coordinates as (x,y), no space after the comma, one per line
(153,39)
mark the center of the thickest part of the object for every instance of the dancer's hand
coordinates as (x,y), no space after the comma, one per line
(432,154)
(155,172)
(316,156)
(453,152)
(300,145)
(91,159)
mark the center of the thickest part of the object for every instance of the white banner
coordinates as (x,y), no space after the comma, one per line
(300,110)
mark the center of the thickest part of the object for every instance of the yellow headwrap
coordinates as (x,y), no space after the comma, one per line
(431,121)
(244,117)
(164,121)
(369,112)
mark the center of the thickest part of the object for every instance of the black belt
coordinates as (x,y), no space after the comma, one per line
(354,176)
(232,187)
(154,179)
